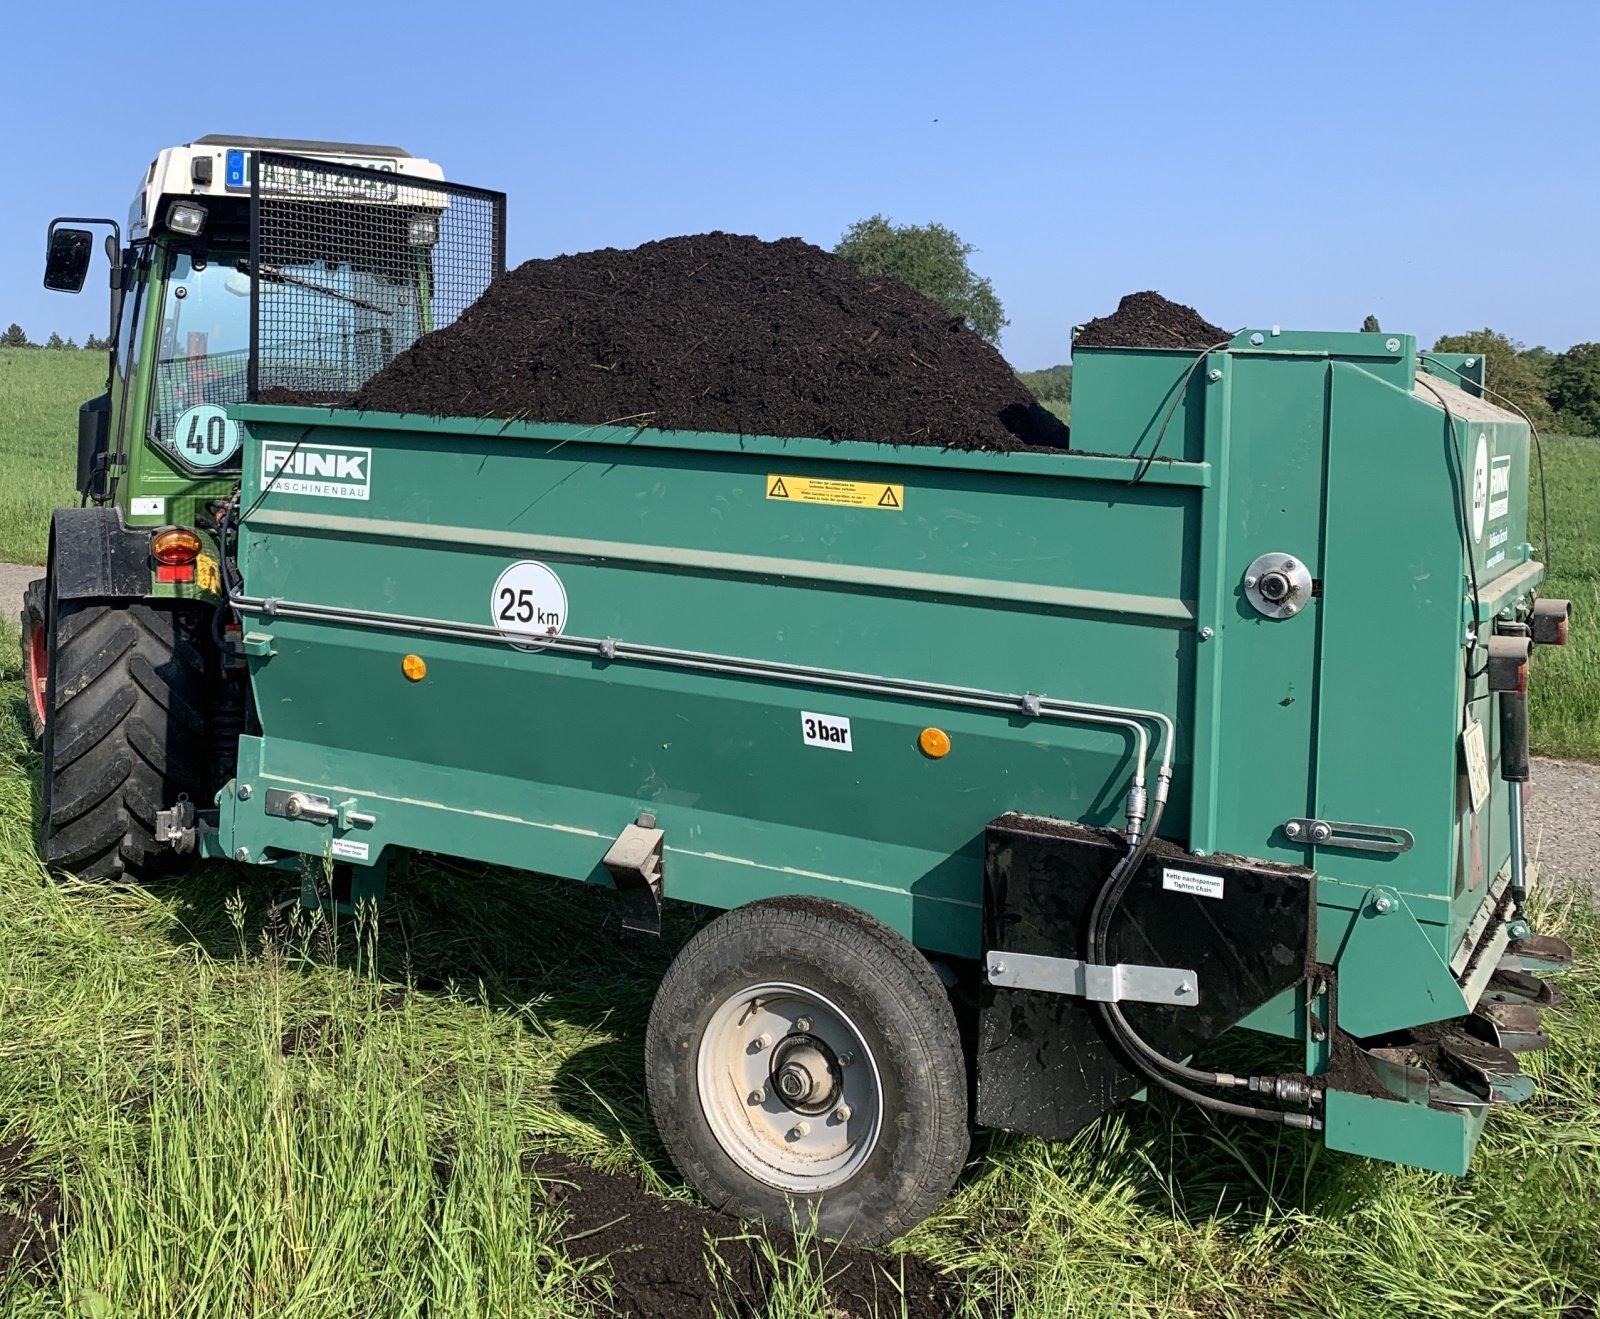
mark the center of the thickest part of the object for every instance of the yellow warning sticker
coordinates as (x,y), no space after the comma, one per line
(207,575)
(850,494)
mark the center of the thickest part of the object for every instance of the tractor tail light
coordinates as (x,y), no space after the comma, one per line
(174,546)
(1508,661)
(1549,621)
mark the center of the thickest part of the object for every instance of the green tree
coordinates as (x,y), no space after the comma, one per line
(1051,385)
(95,344)
(1371,326)
(1506,370)
(55,341)
(930,258)
(1575,389)
(14,337)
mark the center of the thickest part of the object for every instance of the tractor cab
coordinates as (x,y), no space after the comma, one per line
(249,268)
(249,264)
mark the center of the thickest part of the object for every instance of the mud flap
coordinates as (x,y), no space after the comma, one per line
(1044,1065)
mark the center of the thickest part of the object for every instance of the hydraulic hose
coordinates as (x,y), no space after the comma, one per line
(1155,1065)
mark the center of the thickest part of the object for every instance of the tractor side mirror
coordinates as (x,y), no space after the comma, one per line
(67,259)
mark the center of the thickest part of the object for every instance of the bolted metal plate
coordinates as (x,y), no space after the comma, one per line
(1278,585)
(1125,982)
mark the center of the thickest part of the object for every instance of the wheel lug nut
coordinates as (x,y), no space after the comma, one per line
(845,1059)
(799,1131)
(758,1096)
(842,1113)
(761,1041)
(803,1025)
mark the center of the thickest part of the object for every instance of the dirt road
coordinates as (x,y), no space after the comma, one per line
(14,579)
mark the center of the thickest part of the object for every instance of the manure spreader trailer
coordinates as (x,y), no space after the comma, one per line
(1018,776)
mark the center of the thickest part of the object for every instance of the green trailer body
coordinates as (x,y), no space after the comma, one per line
(824,669)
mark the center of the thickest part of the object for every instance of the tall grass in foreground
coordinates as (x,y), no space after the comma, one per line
(253,1117)
(40,390)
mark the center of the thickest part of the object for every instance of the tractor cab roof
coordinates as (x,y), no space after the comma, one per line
(219,166)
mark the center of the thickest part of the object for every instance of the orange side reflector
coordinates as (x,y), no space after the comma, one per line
(935,743)
(414,668)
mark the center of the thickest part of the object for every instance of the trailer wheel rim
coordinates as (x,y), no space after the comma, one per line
(789,1088)
(38,669)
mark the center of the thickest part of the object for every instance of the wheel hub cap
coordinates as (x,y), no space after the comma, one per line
(789,1087)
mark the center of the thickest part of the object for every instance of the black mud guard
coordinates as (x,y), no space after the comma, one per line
(1046,1065)
(94,555)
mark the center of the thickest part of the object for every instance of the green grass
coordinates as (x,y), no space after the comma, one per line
(1564,694)
(40,392)
(255,1114)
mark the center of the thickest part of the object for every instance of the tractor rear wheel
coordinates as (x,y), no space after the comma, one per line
(35,654)
(802,1058)
(124,733)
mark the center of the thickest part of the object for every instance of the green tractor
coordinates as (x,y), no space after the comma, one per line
(249,265)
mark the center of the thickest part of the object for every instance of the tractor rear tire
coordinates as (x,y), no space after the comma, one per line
(35,655)
(802,1058)
(124,734)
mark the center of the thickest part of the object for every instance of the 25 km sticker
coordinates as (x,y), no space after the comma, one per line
(825,730)
(528,602)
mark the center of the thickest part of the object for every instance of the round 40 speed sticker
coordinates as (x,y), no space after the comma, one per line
(204,437)
(528,602)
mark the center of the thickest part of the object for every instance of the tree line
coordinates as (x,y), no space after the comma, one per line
(15,336)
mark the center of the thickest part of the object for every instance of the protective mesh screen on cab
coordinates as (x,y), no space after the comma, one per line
(351,264)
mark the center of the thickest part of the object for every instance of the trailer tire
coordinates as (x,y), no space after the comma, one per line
(815,990)
(124,734)
(35,655)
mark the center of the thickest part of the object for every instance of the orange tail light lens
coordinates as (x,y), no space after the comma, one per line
(174,545)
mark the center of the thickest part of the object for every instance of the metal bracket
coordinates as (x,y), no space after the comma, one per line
(1354,837)
(635,863)
(1125,982)
(308,806)
(176,827)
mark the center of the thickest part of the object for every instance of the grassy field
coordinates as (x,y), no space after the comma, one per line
(1564,696)
(39,396)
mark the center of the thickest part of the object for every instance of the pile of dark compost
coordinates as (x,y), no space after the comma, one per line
(1147,320)
(656,1253)
(717,332)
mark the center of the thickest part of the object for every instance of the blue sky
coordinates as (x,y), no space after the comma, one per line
(1268,163)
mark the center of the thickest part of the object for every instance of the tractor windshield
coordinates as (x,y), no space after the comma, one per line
(347,323)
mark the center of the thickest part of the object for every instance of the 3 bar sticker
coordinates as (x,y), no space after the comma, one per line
(528,601)
(846,494)
(831,731)
(350,850)
(330,471)
(1192,883)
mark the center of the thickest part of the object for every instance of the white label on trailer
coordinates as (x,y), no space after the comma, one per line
(1499,487)
(1477,757)
(350,849)
(330,471)
(1480,486)
(1192,883)
(831,731)
(528,601)
(153,506)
